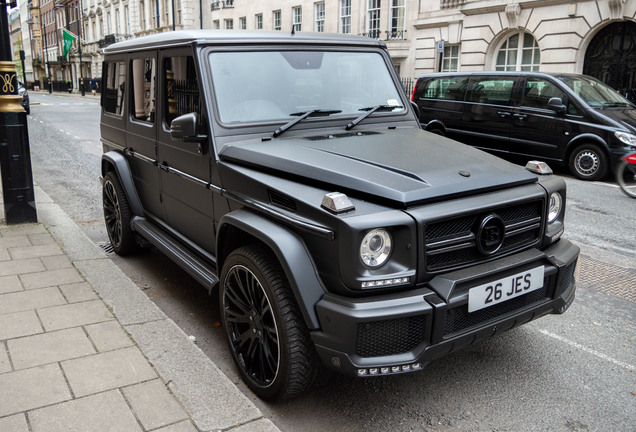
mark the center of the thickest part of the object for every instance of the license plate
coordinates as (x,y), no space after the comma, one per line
(507,288)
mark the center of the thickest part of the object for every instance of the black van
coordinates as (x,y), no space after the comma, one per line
(572,119)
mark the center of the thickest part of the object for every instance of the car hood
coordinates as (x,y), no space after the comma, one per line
(406,166)
(626,117)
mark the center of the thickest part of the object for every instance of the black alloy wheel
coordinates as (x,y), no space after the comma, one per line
(117,215)
(265,331)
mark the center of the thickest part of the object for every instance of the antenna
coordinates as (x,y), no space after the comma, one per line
(293,30)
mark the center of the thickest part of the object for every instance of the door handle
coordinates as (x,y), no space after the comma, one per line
(520,117)
(504,114)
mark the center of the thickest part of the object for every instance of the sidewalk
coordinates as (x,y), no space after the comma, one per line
(83,349)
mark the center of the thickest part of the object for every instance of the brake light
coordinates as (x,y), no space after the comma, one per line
(630,158)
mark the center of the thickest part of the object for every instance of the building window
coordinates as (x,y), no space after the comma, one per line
(143,15)
(520,52)
(345,16)
(117,24)
(319,11)
(297,18)
(109,25)
(450,58)
(228,24)
(127,18)
(373,19)
(259,22)
(398,8)
(277,21)
(242,23)
(216,24)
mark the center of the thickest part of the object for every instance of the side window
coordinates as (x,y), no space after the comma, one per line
(182,89)
(115,84)
(449,88)
(491,90)
(143,89)
(537,92)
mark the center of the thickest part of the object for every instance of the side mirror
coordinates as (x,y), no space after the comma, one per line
(556,104)
(184,129)
(184,126)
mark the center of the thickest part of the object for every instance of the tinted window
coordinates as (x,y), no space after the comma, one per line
(143,89)
(491,90)
(450,88)
(537,92)
(182,88)
(115,83)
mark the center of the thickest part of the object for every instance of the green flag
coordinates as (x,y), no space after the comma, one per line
(68,39)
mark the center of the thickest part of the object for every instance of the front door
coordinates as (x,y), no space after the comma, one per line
(184,166)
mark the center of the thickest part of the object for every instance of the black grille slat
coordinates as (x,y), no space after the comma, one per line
(389,337)
(523,228)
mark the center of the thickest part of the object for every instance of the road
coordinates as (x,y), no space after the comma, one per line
(573,372)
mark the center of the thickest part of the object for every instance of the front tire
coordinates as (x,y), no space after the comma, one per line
(626,178)
(117,216)
(588,162)
(264,328)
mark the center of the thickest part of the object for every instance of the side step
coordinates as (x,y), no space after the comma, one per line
(197,267)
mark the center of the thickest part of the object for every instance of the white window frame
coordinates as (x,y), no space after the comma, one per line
(397,20)
(319,14)
(451,52)
(276,20)
(345,16)
(373,18)
(518,51)
(297,18)
(259,21)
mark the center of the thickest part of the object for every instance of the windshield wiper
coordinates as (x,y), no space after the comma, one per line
(614,104)
(369,111)
(303,116)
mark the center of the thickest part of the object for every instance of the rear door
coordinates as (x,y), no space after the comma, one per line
(441,100)
(538,131)
(488,111)
(184,166)
(141,130)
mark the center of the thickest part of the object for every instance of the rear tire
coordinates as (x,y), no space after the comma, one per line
(117,216)
(264,328)
(588,162)
(626,178)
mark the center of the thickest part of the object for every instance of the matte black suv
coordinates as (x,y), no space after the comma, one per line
(290,173)
(572,119)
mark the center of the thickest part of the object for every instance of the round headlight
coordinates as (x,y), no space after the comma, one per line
(375,248)
(556,204)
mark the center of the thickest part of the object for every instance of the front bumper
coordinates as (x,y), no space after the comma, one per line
(402,332)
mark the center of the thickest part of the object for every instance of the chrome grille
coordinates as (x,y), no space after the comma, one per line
(452,243)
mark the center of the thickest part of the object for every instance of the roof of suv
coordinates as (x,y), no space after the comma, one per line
(211,37)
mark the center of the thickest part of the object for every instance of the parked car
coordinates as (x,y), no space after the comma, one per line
(304,192)
(574,120)
(25,98)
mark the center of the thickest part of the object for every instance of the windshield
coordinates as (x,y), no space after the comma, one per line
(278,85)
(594,92)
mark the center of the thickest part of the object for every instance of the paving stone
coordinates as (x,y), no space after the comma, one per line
(10,284)
(32,388)
(50,278)
(22,230)
(49,347)
(25,252)
(16,423)
(28,300)
(19,324)
(4,255)
(17,267)
(74,315)
(154,405)
(41,239)
(14,241)
(261,425)
(97,413)
(184,426)
(5,365)
(78,292)
(56,262)
(106,371)
(108,336)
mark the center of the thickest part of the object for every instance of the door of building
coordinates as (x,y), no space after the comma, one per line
(611,57)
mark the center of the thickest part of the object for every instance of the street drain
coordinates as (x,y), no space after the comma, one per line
(106,247)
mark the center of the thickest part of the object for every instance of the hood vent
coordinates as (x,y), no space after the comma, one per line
(282,201)
(340,135)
